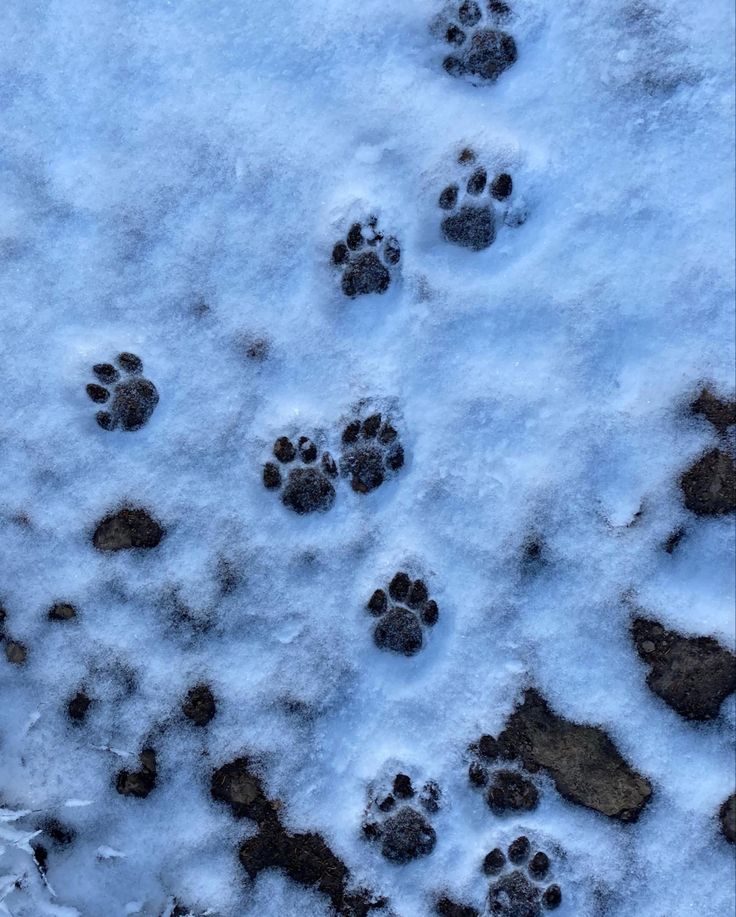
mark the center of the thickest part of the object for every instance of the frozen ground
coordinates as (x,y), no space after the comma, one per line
(173,177)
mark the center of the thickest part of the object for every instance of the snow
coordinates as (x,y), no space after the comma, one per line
(173,176)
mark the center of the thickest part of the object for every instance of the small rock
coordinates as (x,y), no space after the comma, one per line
(128,528)
(693,675)
(585,765)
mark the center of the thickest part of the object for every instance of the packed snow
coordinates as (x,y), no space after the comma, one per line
(173,179)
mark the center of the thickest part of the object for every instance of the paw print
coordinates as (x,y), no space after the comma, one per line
(306,487)
(709,486)
(180,910)
(133,397)
(370,451)
(505,790)
(366,259)
(473,220)
(481,51)
(139,783)
(403,831)
(402,615)
(200,705)
(78,706)
(520,892)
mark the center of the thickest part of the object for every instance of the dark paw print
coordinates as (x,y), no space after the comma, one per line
(475,203)
(366,259)
(180,910)
(139,783)
(446,907)
(133,397)
(200,705)
(78,706)
(481,50)
(370,451)
(403,831)
(402,615)
(306,486)
(523,891)
(709,485)
(505,790)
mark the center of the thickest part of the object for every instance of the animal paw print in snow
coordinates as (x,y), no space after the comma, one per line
(133,397)
(480,50)
(505,790)
(366,259)
(371,450)
(139,783)
(306,486)
(403,831)
(520,892)
(472,222)
(403,615)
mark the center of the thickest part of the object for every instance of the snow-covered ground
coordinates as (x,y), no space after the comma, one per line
(174,175)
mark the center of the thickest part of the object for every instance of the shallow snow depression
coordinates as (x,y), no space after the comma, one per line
(367,448)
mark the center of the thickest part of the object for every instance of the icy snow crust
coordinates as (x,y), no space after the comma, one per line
(173,177)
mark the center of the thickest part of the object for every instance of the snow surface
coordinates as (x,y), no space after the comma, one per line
(163,156)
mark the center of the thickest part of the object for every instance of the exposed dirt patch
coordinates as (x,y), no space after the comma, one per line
(693,675)
(584,763)
(709,486)
(305,858)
